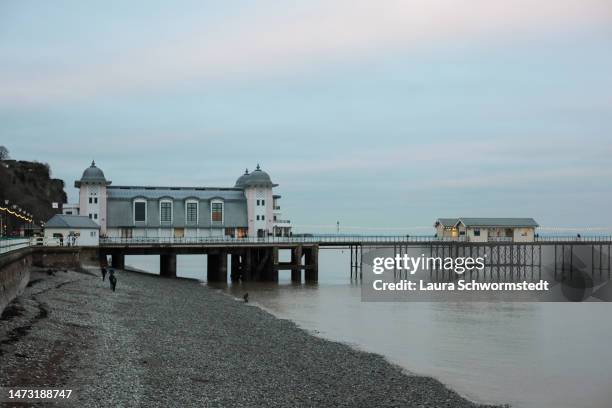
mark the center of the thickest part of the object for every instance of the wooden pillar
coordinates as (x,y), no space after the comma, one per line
(296,264)
(167,265)
(118,260)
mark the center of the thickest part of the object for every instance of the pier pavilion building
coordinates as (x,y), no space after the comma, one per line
(248,209)
(486,229)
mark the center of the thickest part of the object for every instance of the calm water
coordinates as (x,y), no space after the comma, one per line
(524,354)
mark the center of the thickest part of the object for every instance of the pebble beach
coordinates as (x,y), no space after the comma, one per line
(159,342)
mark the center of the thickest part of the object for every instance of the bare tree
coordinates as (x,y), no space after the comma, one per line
(4,153)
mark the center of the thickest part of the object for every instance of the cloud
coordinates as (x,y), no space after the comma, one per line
(290,40)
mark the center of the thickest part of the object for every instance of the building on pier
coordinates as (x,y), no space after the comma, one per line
(249,208)
(486,229)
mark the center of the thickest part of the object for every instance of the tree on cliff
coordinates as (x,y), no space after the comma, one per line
(4,153)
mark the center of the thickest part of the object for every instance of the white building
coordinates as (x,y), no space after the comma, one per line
(70,209)
(249,208)
(74,230)
(486,229)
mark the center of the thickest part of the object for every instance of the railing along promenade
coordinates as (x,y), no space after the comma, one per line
(13,244)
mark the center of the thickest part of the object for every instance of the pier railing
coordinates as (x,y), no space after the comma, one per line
(263,240)
(573,238)
(330,239)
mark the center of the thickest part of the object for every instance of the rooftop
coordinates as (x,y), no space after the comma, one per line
(92,175)
(257,178)
(498,222)
(129,192)
(447,222)
(71,221)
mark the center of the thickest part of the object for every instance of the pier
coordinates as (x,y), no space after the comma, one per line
(249,259)
(503,258)
(257,259)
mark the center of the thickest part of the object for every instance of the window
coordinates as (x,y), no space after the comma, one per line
(90,215)
(263,202)
(216,211)
(263,217)
(95,216)
(93,233)
(90,200)
(191,212)
(257,202)
(165,211)
(140,211)
(476,232)
(95,200)
(258,218)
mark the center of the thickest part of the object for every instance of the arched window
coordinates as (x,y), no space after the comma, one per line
(216,212)
(191,212)
(165,211)
(139,210)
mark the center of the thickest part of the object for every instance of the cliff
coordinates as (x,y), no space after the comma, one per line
(30,186)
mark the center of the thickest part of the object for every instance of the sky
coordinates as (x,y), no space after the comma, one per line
(383,115)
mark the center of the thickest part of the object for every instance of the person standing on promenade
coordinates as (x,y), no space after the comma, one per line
(103,273)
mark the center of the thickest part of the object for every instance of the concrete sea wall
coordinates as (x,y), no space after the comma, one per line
(15,266)
(14,275)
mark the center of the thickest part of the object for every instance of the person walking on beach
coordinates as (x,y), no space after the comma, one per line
(112,279)
(113,282)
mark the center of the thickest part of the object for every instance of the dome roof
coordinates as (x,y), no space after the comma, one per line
(242,179)
(257,178)
(92,175)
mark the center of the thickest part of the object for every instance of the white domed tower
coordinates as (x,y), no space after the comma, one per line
(257,187)
(92,195)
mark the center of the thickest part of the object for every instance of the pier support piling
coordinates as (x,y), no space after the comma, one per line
(296,264)
(311,267)
(167,265)
(118,261)
(236,268)
(217,266)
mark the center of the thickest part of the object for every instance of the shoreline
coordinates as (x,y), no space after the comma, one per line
(166,342)
(354,346)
